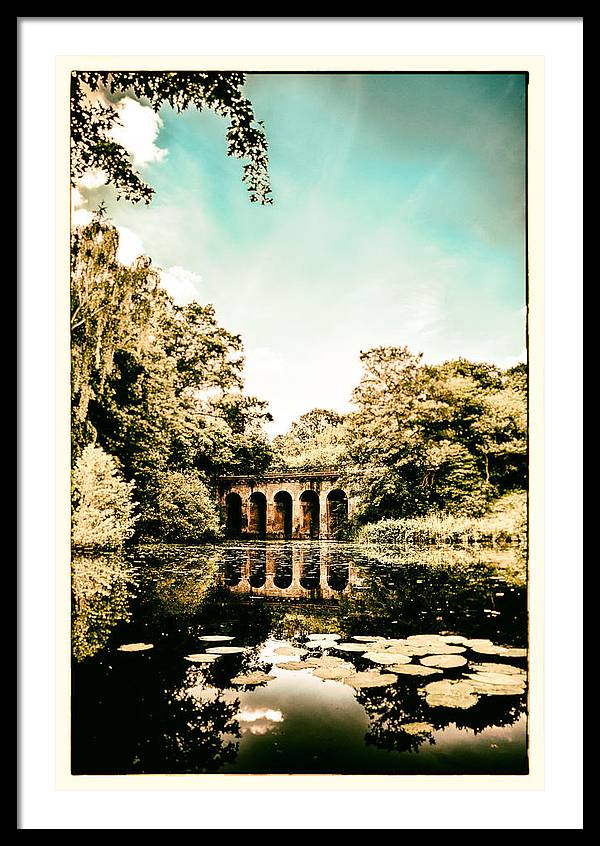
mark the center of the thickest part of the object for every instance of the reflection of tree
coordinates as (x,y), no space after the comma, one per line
(100,586)
(196,741)
(415,593)
(390,708)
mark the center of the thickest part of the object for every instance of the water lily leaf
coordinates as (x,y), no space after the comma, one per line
(496,678)
(425,639)
(333,673)
(216,638)
(444,661)
(387,658)
(455,639)
(370,678)
(368,638)
(417,729)
(413,670)
(498,668)
(256,677)
(324,636)
(450,694)
(290,650)
(225,650)
(201,658)
(135,647)
(513,652)
(295,665)
(352,647)
(328,661)
(485,689)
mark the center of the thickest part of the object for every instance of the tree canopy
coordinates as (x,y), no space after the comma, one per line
(94,114)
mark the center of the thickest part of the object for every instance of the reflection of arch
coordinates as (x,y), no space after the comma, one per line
(257,516)
(309,511)
(257,567)
(337,513)
(233,521)
(282,518)
(284,569)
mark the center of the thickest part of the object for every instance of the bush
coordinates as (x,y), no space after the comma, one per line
(179,508)
(103,512)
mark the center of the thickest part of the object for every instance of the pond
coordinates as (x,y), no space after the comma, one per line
(299,657)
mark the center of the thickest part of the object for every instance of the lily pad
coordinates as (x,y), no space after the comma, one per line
(425,639)
(417,729)
(387,658)
(216,638)
(455,639)
(368,638)
(370,678)
(513,652)
(295,665)
(352,647)
(476,642)
(327,661)
(444,662)
(201,658)
(498,668)
(257,677)
(486,689)
(225,650)
(496,678)
(291,650)
(135,647)
(413,670)
(333,673)
(324,636)
(450,694)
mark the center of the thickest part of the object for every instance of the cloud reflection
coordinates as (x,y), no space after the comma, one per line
(259,720)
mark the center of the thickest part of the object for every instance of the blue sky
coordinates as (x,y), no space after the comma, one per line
(398,218)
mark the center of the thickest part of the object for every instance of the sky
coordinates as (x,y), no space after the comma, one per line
(398,219)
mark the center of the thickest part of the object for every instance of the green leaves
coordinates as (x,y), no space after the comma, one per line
(93,114)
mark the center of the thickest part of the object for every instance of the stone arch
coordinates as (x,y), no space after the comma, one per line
(257,514)
(233,515)
(309,514)
(282,516)
(337,513)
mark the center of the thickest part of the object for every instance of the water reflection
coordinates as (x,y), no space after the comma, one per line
(154,711)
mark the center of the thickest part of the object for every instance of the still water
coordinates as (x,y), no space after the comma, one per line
(183,660)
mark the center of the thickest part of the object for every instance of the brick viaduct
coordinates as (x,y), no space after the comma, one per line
(276,506)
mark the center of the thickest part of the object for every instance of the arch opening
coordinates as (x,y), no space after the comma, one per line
(257,515)
(337,514)
(233,515)
(309,515)
(282,516)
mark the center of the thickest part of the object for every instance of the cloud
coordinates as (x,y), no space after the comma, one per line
(130,245)
(183,285)
(512,360)
(92,179)
(259,721)
(138,131)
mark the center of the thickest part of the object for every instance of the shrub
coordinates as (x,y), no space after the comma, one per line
(103,513)
(180,508)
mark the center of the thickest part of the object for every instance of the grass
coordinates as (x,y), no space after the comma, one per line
(504,523)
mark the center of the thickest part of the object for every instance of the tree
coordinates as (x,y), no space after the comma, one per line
(93,115)
(103,514)
(180,508)
(317,440)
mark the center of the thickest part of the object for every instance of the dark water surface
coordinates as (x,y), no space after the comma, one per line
(153,711)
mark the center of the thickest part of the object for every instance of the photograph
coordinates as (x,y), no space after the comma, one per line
(300,418)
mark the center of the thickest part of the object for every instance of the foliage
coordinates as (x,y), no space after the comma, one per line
(505,522)
(317,441)
(179,508)
(94,114)
(158,385)
(435,438)
(103,514)
(100,587)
